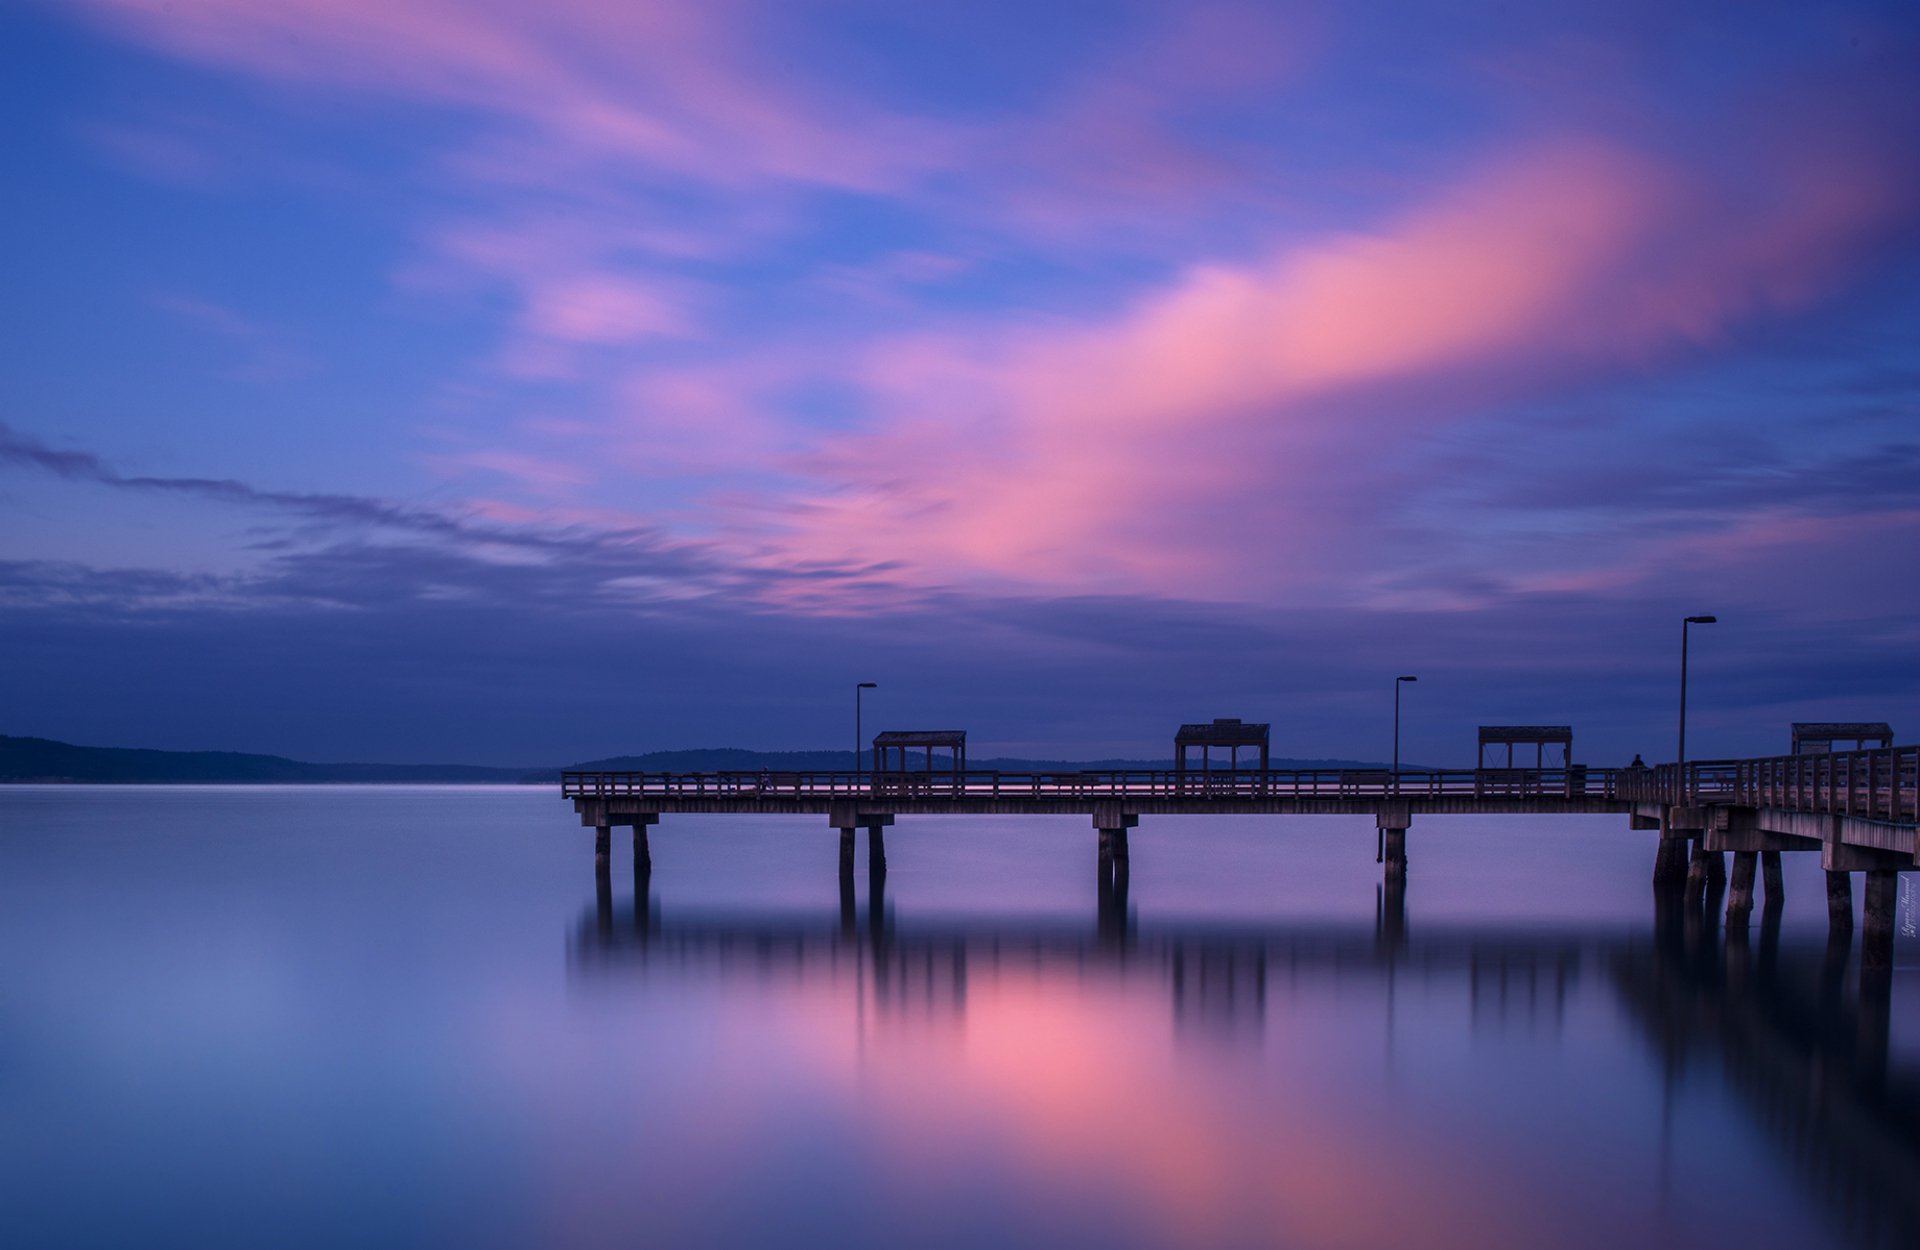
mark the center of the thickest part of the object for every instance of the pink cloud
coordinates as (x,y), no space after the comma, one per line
(670,84)
(1212,438)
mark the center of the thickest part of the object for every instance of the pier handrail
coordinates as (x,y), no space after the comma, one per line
(1579,781)
(1878,784)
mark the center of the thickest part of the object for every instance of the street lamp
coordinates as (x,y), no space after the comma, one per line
(1680,764)
(1396,730)
(859,757)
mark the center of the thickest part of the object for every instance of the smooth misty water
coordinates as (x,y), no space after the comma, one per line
(397,1017)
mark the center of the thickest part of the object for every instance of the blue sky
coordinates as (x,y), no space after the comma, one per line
(458,380)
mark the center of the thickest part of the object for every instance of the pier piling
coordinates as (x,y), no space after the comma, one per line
(1770,873)
(1670,860)
(1111,822)
(1740,895)
(1839,903)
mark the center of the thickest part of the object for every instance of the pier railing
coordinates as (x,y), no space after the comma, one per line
(1874,785)
(1577,782)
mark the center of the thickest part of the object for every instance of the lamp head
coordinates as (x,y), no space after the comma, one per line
(867,685)
(1406,679)
(1703,620)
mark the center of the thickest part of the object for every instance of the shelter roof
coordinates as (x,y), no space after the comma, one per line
(1525,733)
(921,738)
(1227,731)
(1840,730)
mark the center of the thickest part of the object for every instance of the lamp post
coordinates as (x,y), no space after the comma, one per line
(1680,763)
(1396,729)
(859,756)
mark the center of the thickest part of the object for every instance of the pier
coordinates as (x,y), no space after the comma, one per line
(1855,809)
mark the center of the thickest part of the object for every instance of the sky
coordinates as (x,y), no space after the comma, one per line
(474,380)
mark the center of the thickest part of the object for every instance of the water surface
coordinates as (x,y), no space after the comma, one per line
(396,1016)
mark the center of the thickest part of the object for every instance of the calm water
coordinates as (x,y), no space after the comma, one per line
(401,1017)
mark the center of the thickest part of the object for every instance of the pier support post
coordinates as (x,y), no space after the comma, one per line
(1839,903)
(1395,851)
(1705,868)
(1876,931)
(602,849)
(1740,897)
(1770,875)
(1670,861)
(1111,822)
(846,816)
(1393,821)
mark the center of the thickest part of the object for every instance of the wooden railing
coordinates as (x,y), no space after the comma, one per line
(1875,785)
(1493,783)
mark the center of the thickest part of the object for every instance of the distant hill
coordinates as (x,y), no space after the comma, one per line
(44,760)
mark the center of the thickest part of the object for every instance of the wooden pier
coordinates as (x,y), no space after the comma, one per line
(1856,809)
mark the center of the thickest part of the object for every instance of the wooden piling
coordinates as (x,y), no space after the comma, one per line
(642,853)
(1839,902)
(846,856)
(1698,873)
(602,849)
(1396,853)
(1770,873)
(876,853)
(1670,861)
(1740,896)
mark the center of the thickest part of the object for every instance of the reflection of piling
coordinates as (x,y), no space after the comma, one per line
(1770,936)
(1390,915)
(1111,915)
(1784,1034)
(1876,930)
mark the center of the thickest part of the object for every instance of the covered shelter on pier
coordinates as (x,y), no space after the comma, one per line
(1539,737)
(901,741)
(1819,737)
(1229,732)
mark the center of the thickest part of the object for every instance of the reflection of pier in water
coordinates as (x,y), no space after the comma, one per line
(1219,977)
(1802,1046)
(1798,1041)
